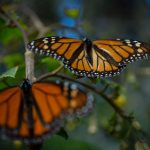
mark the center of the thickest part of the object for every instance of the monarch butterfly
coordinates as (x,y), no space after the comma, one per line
(33,112)
(99,58)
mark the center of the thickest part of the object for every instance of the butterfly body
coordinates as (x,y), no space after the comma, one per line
(32,112)
(88,48)
(98,58)
(27,104)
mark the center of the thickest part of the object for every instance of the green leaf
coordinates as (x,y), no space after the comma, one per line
(10,73)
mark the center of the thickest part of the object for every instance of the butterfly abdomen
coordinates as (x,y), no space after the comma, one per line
(28,103)
(88,49)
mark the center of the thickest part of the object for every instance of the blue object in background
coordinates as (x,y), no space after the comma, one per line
(67,21)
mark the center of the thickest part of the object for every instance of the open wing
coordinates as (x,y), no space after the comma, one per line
(120,52)
(36,116)
(10,110)
(109,57)
(61,48)
(98,66)
(54,100)
(52,104)
(72,53)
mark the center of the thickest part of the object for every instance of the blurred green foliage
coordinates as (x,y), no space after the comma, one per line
(57,142)
(7,33)
(49,63)
(13,60)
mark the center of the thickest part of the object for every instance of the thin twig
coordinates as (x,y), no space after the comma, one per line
(29,56)
(52,73)
(108,99)
(36,22)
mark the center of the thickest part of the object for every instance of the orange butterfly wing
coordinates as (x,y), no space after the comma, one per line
(60,99)
(37,131)
(40,113)
(99,66)
(73,53)
(121,52)
(70,51)
(100,58)
(58,47)
(10,102)
(13,120)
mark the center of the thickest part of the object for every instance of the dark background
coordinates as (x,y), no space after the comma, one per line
(95,19)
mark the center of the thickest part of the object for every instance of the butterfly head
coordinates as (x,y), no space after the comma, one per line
(25,85)
(87,41)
